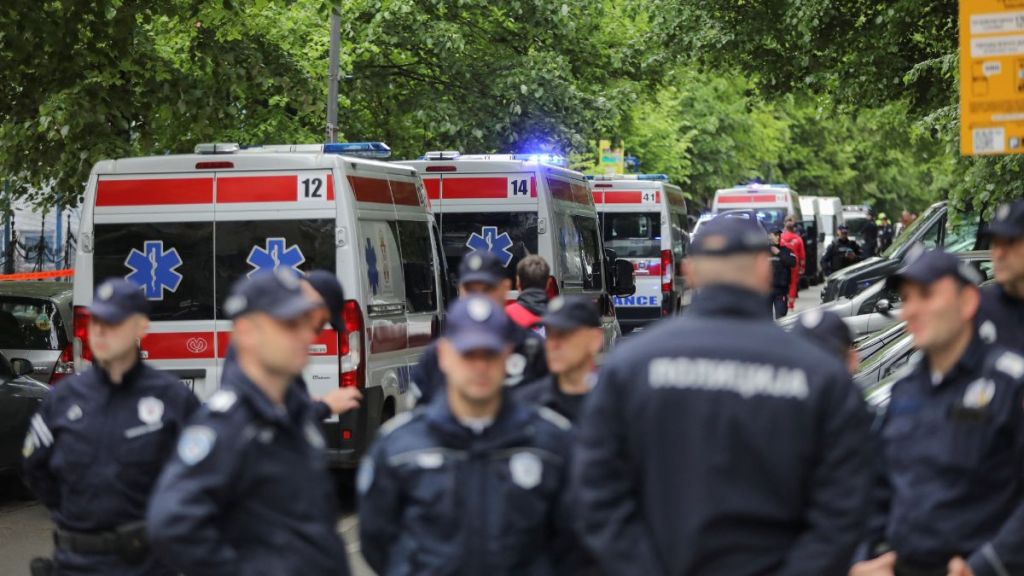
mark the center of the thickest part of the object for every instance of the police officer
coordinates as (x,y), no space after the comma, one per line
(952,499)
(826,329)
(248,490)
(532,277)
(472,483)
(94,450)
(482,273)
(842,252)
(1001,317)
(718,444)
(323,288)
(574,339)
(783,262)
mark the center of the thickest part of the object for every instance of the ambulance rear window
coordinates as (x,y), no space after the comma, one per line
(510,235)
(632,234)
(172,261)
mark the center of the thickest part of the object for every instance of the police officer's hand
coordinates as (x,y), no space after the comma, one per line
(775,250)
(342,400)
(884,565)
(958,567)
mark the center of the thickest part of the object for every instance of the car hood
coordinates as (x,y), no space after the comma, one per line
(855,269)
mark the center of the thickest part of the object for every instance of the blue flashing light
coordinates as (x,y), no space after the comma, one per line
(658,177)
(542,157)
(362,149)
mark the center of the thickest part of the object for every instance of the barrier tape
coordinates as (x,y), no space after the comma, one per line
(37,275)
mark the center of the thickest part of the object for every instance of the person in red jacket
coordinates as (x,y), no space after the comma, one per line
(532,275)
(791,239)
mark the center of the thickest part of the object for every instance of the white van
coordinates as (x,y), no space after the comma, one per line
(643,219)
(185,227)
(772,202)
(516,205)
(831,209)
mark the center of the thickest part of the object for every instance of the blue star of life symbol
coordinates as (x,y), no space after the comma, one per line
(276,255)
(373,274)
(488,240)
(154,269)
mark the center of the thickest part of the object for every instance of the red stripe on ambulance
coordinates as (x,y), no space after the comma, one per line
(154,191)
(199,345)
(747,199)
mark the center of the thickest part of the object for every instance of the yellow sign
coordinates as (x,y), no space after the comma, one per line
(991,77)
(612,161)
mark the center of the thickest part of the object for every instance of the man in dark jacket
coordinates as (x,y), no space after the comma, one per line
(532,276)
(842,252)
(783,261)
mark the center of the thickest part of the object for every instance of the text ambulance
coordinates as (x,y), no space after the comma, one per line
(514,206)
(643,219)
(185,227)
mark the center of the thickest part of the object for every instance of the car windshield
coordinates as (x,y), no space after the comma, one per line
(632,234)
(855,223)
(30,324)
(907,234)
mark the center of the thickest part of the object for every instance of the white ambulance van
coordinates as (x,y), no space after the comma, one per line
(517,205)
(643,219)
(772,202)
(186,227)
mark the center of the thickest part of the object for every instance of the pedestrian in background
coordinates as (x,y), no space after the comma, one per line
(842,252)
(1001,317)
(783,262)
(96,446)
(473,483)
(717,444)
(791,239)
(950,499)
(532,277)
(248,490)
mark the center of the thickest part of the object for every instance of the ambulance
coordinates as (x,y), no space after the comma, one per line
(517,205)
(643,219)
(772,202)
(186,227)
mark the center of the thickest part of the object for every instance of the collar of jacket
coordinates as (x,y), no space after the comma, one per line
(534,299)
(971,361)
(725,300)
(249,392)
(127,380)
(509,424)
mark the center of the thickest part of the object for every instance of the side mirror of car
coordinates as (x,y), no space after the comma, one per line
(623,278)
(22,366)
(883,307)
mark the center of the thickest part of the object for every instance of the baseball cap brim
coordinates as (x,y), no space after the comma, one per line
(473,340)
(109,312)
(563,323)
(480,276)
(1004,229)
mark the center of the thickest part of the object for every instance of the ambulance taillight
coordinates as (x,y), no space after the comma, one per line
(667,271)
(80,332)
(552,288)
(353,370)
(65,364)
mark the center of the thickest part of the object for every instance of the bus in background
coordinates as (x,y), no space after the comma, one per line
(643,218)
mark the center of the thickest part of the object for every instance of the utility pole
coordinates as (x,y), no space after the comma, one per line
(332,77)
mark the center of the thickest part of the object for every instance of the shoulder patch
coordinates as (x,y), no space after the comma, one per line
(554,417)
(1011,364)
(396,422)
(222,401)
(195,444)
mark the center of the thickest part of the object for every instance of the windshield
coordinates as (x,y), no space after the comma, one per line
(632,235)
(771,217)
(30,324)
(907,234)
(855,223)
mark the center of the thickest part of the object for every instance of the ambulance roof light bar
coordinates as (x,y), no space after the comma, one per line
(217,148)
(539,158)
(653,177)
(361,149)
(442,155)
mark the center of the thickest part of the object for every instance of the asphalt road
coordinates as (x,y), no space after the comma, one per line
(25,527)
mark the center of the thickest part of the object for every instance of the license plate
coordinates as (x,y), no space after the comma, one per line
(190,382)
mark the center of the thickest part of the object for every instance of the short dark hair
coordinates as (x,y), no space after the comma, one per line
(533,272)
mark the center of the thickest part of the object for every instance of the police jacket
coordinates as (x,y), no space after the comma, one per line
(782,266)
(439,498)
(718,444)
(840,254)
(953,473)
(1001,318)
(526,363)
(94,452)
(248,490)
(545,392)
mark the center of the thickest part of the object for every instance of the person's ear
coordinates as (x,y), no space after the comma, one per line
(971,299)
(444,354)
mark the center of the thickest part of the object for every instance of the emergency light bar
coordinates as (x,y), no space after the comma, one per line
(553,159)
(217,148)
(442,155)
(653,177)
(362,149)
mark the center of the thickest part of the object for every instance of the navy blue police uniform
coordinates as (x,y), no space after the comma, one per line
(95,449)
(1000,318)
(718,444)
(827,330)
(248,490)
(782,265)
(953,482)
(564,313)
(527,361)
(437,497)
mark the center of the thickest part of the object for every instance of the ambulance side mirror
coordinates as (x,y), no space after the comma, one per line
(623,278)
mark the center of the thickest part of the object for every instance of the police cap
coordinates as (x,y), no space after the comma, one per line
(1008,221)
(724,236)
(928,266)
(571,313)
(277,294)
(116,299)
(825,329)
(481,266)
(327,285)
(477,323)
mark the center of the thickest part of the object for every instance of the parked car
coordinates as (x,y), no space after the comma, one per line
(933,229)
(36,324)
(20,397)
(869,345)
(876,376)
